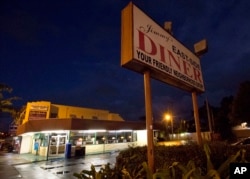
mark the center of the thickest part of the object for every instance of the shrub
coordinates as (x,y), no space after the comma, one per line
(173,162)
(166,156)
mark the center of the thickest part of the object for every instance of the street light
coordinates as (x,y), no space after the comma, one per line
(169,117)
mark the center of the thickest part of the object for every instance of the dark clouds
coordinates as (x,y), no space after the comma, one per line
(68,52)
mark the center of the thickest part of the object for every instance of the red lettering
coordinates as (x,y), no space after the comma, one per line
(147,45)
(171,58)
(186,68)
(142,44)
(197,75)
(162,53)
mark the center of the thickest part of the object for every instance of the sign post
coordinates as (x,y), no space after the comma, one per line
(199,48)
(196,118)
(149,118)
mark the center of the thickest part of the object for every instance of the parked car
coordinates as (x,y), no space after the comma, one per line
(245,141)
(6,146)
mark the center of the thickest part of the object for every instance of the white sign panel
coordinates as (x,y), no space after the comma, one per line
(154,48)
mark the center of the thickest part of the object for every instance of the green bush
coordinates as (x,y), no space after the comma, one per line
(166,156)
(173,162)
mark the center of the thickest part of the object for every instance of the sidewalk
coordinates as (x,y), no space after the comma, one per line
(7,160)
(31,166)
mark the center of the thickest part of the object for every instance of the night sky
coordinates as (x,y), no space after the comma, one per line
(68,52)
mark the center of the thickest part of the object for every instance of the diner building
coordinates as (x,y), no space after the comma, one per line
(48,129)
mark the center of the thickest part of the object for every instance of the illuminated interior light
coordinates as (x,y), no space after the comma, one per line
(55,131)
(93,131)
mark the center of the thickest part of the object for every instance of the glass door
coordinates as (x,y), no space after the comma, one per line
(57,144)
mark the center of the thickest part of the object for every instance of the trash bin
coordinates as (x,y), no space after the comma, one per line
(68,150)
(83,151)
(80,152)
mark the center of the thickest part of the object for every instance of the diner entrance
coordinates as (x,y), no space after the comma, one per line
(57,144)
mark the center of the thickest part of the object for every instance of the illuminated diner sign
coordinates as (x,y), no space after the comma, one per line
(147,46)
(39,108)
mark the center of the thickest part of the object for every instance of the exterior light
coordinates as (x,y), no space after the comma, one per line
(167,117)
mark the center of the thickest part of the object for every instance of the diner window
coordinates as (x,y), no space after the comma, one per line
(101,137)
(88,138)
(134,138)
(112,137)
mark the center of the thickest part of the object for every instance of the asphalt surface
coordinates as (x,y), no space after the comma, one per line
(30,166)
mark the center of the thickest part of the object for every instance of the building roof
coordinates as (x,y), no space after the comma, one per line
(81,124)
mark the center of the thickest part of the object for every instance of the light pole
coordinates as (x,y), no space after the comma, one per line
(169,117)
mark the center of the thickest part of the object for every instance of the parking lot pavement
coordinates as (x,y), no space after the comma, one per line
(15,166)
(6,168)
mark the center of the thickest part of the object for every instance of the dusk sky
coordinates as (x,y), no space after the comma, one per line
(69,52)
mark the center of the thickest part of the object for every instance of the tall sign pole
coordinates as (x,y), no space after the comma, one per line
(199,48)
(196,118)
(149,117)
